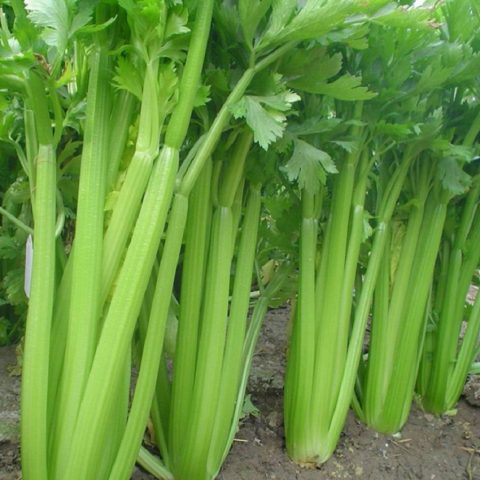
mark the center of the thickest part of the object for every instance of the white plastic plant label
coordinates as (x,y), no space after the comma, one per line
(28,265)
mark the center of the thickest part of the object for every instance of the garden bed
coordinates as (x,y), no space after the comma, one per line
(428,448)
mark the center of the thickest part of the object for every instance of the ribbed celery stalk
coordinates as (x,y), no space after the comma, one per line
(125,210)
(213,328)
(185,185)
(120,321)
(232,367)
(398,336)
(386,329)
(365,296)
(117,421)
(322,322)
(161,403)
(301,358)
(160,411)
(331,336)
(408,349)
(210,349)
(121,118)
(193,276)
(127,205)
(152,349)
(85,301)
(37,336)
(58,339)
(138,172)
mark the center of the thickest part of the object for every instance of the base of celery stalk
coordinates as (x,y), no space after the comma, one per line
(385,426)
(309,457)
(391,423)
(435,407)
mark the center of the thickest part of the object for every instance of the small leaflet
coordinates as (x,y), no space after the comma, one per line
(28,265)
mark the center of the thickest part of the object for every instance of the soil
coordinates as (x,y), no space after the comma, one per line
(429,447)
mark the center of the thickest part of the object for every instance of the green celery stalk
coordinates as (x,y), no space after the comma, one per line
(331,337)
(160,409)
(85,301)
(121,118)
(118,421)
(138,173)
(151,463)
(440,285)
(192,287)
(210,350)
(205,404)
(363,305)
(301,359)
(37,336)
(236,329)
(400,392)
(326,445)
(387,328)
(462,263)
(124,213)
(152,349)
(332,326)
(120,320)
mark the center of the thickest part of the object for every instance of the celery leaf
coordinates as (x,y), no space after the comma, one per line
(309,165)
(452,177)
(58,20)
(251,13)
(265,115)
(128,78)
(316,18)
(304,69)
(347,87)
(53,16)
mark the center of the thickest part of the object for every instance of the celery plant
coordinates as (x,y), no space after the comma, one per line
(328,344)
(335,289)
(447,359)
(399,321)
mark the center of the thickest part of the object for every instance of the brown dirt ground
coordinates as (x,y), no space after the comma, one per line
(430,448)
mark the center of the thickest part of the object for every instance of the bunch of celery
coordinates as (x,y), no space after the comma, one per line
(450,352)
(404,288)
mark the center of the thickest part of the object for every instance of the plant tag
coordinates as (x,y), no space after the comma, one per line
(28,265)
